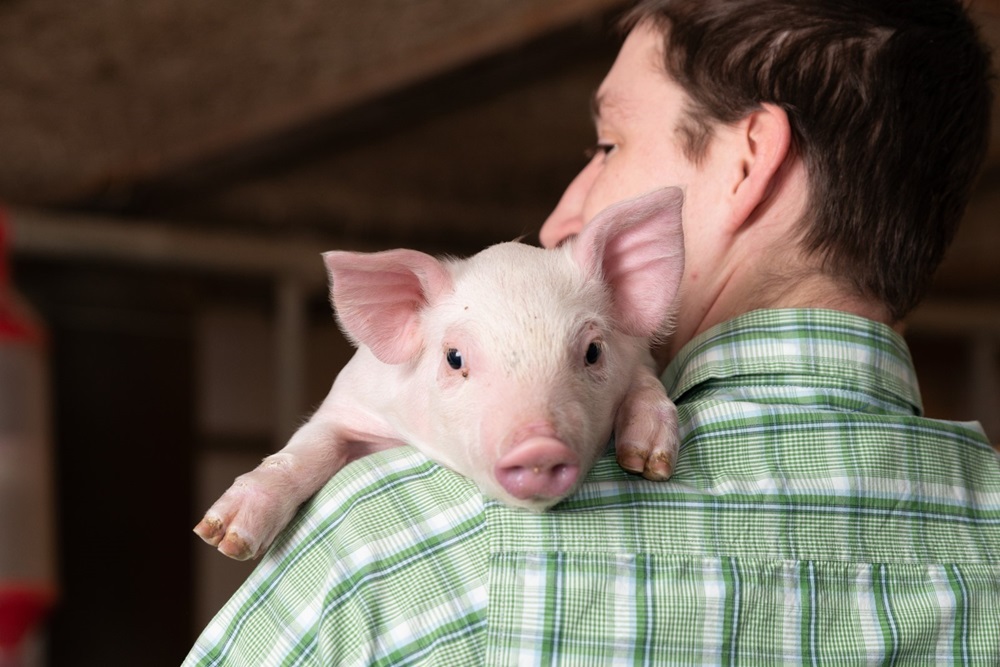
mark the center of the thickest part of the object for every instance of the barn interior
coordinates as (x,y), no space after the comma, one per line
(171,172)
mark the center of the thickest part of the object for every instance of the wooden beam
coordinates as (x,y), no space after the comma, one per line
(36,233)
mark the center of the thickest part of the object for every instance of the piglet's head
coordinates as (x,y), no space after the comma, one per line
(528,352)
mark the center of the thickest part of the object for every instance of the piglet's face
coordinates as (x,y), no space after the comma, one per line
(518,357)
(527,373)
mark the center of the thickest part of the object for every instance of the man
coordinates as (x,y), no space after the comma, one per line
(826,150)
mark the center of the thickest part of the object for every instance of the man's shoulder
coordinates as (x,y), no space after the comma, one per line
(393,472)
(319,595)
(381,518)
(395,490)
(400,499)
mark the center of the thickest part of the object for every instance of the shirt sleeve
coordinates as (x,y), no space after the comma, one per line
(386,564)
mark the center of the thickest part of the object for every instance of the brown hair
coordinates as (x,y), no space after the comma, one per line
(889,107)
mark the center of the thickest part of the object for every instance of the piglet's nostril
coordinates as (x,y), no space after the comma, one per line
(540,467)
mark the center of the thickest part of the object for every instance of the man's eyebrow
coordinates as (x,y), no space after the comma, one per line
(596,102)
(605,106)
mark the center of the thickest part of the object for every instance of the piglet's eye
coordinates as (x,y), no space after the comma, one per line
(594,351)
(454,358)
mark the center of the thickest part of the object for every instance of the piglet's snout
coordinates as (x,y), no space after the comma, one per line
(539,467)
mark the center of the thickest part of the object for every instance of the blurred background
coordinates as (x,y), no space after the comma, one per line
(171,171)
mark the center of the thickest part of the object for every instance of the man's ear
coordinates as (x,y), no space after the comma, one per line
(764,139)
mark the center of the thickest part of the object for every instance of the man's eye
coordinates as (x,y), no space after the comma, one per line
(599,148)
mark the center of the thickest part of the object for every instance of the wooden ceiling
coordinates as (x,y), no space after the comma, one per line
(444,124)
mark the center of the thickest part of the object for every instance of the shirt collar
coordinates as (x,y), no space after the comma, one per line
(826,347)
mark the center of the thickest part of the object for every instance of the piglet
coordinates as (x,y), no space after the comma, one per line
(512,367)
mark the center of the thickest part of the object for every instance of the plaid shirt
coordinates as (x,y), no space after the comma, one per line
(814,517)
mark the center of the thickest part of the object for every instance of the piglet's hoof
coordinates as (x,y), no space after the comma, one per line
(646,435)
(250,514)
(212,530)
(658,466)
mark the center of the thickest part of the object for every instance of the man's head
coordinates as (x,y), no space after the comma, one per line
(885,107)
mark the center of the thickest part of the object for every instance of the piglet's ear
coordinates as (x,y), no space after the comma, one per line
(637,248)
(379,297)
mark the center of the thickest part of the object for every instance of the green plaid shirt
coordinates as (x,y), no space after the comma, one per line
(814,517)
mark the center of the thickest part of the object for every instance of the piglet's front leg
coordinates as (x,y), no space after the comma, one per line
(646,435)
(251,513)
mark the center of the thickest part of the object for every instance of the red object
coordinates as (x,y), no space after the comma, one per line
(27,549)
(22,608)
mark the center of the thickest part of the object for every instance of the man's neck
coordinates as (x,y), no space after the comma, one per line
(773,291)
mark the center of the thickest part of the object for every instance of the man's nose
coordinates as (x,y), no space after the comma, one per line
(558,227)
(567,218)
